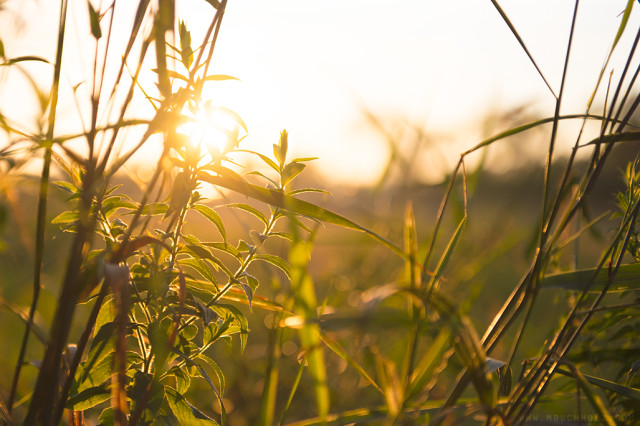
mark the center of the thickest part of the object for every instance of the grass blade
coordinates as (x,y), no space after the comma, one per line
(627,391)
(305,304)
(506,20)
(594,279)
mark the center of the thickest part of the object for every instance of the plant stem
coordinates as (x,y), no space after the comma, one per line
(42,204)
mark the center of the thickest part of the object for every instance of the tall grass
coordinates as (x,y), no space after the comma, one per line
(147,302)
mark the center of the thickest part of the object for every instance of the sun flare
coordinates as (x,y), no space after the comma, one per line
(212,128)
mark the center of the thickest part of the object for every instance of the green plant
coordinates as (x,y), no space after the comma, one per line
(146,300)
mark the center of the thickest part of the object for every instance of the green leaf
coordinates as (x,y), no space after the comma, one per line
(200,266)
(303,159)
(305,190)
(206,313)
(264,158)
(216,369)
(89,398)
(27,58)
(627,391)
(290,171)
(183,379)
(249,287)
(186,413)
(213,217)
(623,23)
(219,77)
(265,177)
(94,375)
(593,397)
(152,209)
(276,261)
(446,255)
(524,127)
(241,320)
(430,362)
(250,209)
(106,417)
(66,217)
(280,150)
(1,49)
(105,314)
(144,386)
(94,19)
(186,52)
(225,247)
(305,305)
(67,186)
(524,47)
(279,199)
(627,278)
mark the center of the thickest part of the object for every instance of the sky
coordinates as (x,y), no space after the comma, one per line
(317,68)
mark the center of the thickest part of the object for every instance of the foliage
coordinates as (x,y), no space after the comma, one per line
(146,306)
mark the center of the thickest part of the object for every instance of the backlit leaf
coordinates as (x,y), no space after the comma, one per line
(66,217)
(88,398)
(186,413)
(213,217)
(94,19)
(290,171)
(219,77)
(27,58)
(276,261)
(200,266)
(304,208)
(250,209)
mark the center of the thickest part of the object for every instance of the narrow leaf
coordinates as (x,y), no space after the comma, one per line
(276,261)
(186,413)
(250,209)
(27,58)
(627,278)
(279,199)
(88,398)
(219,77)
(213,217)
(94,19)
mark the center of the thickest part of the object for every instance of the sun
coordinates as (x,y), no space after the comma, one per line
(213,128)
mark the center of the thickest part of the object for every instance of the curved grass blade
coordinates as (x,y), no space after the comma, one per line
(522,128)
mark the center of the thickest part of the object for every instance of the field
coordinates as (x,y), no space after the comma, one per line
(215,284)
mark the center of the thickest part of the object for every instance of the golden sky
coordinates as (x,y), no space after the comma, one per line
(315,67)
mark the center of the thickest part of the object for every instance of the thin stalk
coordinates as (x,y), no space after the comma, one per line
(555,351)
(81,345)
(610,117)
(554,132)
(506,20)
(269,390)
(440,216)
(42,203)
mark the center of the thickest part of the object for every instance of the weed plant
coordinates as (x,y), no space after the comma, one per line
(147,304)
